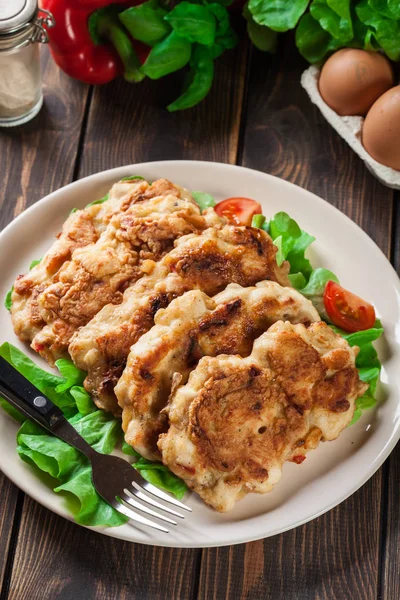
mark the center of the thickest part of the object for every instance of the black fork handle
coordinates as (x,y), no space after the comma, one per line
(26,398)
(30,401)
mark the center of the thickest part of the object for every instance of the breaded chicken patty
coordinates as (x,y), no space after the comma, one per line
(99,273)
(82,228)
(193,326)
(237,420)
(208,262)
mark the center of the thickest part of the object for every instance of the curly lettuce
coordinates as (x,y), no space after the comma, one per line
(67,470)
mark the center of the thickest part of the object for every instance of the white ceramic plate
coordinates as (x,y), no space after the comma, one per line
(332,472)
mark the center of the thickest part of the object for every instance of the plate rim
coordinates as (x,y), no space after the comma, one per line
(117,532)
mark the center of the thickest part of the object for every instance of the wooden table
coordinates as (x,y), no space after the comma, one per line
(258,116)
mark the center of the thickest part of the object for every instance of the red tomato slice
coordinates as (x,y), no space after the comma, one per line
(238,211)
(346,310)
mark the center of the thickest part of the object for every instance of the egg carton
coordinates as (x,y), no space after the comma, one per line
(349,128)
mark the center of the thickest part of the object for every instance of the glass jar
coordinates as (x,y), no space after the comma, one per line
(22,28)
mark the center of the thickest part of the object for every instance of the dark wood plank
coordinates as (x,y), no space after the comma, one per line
(390,582)
(129,124)
(64,561)
(35,160)
(8,503)
(336,556)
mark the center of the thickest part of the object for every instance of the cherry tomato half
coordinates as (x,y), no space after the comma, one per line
(346,310)
(238,211)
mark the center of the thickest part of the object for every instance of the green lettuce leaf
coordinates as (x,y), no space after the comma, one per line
(387,8)
(313,42)
(367,363)
(8,298)
(263,37)
(69,469)
(334,16)
(160,476)
(279,15)
(292,243)
(71,373)
(145,22)
(203,199)
(385,31)
(193,22)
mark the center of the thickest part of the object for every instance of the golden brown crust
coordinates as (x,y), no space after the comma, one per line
(237,420)
(208,262)
(195,325)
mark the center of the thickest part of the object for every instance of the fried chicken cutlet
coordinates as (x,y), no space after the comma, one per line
(208,262)
(83,227)
(195,325)
(237,420)
(99,273)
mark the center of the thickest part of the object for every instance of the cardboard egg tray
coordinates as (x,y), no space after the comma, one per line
(349,128)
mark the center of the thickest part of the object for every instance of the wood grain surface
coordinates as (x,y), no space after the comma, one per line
(260,118)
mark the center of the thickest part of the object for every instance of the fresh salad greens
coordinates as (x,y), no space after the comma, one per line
(67,470)
(323,26)
(185,34)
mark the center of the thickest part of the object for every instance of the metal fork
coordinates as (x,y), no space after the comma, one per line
(114,478)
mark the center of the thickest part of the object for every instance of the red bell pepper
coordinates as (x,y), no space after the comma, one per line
(90,44)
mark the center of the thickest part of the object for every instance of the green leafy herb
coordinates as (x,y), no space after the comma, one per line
(83,400)
(199,81)
(8,298)
(280,255)
(387,8)
(100,201)
(313,42)
(127,449)
(193,22)
(133,178)
(297,280)
(104,26)
(367,363)
(169,55)
(317,282)
(279,16)
(263,37)
(69,469)
(293,243)
(334,16)
(225,38)
(258,221)
(146,22)
(72,375)
(204,200)
(385,31)
(160,476)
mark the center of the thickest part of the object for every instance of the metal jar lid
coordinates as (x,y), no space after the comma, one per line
(22,22)
(16,15)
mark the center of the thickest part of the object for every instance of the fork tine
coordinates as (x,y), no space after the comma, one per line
(149,500)
(132,502)
(166,497)
(135,517)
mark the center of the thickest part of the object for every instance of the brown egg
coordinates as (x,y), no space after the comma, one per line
(381,129)
(351,80)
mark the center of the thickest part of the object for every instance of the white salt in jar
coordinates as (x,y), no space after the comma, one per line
(22,28)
